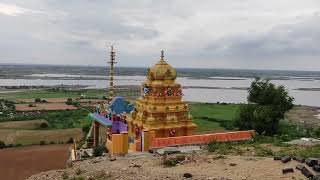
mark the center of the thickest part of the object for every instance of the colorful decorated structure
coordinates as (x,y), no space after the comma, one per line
(160,107)
(112,113)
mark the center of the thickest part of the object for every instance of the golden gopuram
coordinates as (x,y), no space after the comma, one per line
(160,107)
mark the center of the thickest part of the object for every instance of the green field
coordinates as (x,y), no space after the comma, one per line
(19,127)
(213,117)
(33,94)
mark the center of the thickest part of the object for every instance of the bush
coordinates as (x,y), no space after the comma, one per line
(65,176)
(43,143)
(97,151)
(70,141)
(86,128)
(78,171)
(173,161)
(2,145)
(221,147)
(37,100)
(44,101)
(18,145)
(44,125)
(69,101)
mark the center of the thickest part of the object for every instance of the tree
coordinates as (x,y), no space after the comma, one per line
(267,105)
(86,128)
(98,151)
(69,101)
(44,125)
(37,100)
(2,145)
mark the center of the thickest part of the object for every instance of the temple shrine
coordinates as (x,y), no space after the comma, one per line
(160,107)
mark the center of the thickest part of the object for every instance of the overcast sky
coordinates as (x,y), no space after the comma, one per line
(249,34)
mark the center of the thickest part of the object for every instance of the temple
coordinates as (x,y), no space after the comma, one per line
(160,107)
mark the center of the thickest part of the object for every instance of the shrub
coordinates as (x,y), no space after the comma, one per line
(78,171)
(2,145)
(44,101)
(65,176)
(69,101)
(97,151)
(43,143)
(86,128)
(221,147)
(9,146)
(37,100)
(44,125)
(173,161)
(70,141)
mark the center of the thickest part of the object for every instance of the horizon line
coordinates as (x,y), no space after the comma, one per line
(83,65)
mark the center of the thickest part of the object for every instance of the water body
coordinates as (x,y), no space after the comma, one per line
(305,89)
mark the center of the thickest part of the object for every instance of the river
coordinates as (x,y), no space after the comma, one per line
(212,90)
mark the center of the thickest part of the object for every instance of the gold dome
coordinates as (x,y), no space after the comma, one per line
(162,71)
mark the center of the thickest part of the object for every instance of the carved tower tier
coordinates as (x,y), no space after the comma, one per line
(160,107)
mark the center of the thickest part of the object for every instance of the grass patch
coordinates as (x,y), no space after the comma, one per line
(56,119)
(62,93)
(213,117)
(30,125)
(215,111)
(205,126)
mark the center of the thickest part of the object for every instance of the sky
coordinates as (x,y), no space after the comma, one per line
(244,34)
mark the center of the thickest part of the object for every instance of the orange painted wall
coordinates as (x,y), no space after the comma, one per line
(200,139)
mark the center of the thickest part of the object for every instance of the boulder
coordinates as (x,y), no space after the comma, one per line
(316,168)
(277,158)
(187,175)
(285,159)
(287,170)
(232,164)
(306,172)
(299,159)
(168,151)
(317,177)
(299,167)
(312,162)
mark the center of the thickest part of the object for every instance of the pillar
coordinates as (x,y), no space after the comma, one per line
(96,126)
(145,143)
(125,142)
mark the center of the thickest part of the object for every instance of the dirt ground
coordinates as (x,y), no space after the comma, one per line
(32,124)
(304,115)
(27,137)
(20,163)
(201,165)
(44,106)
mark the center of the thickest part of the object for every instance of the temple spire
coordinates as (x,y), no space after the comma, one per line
(162,55)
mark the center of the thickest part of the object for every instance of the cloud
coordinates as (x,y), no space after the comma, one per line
(13,10)
(216,34)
